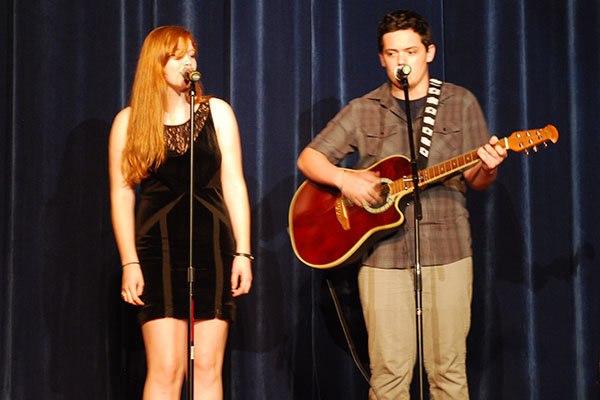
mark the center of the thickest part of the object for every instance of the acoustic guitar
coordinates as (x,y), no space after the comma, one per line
(327,230)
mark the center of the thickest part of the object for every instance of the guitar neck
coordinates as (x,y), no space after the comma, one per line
(436,172)
(518,141)
(439,171)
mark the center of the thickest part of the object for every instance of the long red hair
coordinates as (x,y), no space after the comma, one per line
(145,147)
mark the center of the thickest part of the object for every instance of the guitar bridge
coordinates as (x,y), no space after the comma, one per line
(341,213)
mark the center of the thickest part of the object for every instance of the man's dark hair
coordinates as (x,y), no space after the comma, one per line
(404,19)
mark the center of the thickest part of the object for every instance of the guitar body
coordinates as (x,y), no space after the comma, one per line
(318,237)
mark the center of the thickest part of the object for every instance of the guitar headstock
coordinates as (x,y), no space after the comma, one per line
(525,140)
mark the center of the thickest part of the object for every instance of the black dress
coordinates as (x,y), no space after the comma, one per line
(162,229)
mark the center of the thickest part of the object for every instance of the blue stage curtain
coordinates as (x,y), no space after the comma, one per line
(287,67)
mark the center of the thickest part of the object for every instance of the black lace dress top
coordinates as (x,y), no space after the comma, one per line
(162,228)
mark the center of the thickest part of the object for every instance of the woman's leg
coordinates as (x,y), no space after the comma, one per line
(210,339)
(165,341)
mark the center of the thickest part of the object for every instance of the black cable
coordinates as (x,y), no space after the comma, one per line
(347,335)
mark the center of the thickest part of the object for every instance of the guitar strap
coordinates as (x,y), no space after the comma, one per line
(430,113)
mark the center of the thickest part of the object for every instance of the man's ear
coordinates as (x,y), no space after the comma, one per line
(430,53)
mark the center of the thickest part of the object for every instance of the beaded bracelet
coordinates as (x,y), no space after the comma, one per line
(248,256)
(129,263)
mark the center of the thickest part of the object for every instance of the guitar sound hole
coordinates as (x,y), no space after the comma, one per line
(384,192)
(386,199)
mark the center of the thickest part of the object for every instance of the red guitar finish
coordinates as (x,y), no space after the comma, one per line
(326,230)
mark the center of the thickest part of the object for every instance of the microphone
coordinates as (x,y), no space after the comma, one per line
(190,75)
(402,71)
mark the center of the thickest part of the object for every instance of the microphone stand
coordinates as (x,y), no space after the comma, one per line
(190,375)
(417,217)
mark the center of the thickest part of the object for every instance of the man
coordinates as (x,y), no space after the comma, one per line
(376,126)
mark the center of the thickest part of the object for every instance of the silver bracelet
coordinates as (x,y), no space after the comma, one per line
(247,255)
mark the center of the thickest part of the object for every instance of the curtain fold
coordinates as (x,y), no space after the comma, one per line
(287,68)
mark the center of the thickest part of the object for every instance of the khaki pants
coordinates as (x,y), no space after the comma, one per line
(388,302)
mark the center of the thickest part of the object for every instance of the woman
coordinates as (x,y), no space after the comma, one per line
(149,146)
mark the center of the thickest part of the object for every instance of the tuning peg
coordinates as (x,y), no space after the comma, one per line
(535,149)
(526,152)
(545,145)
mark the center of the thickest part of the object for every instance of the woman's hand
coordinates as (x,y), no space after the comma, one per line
(132,284)
(241,276)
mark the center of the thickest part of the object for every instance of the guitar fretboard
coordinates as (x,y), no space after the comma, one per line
(518,141)
(436,172)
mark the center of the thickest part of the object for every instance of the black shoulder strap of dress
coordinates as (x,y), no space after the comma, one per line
(429,115)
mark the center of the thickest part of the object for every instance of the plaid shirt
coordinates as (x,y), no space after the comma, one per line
(375,126)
